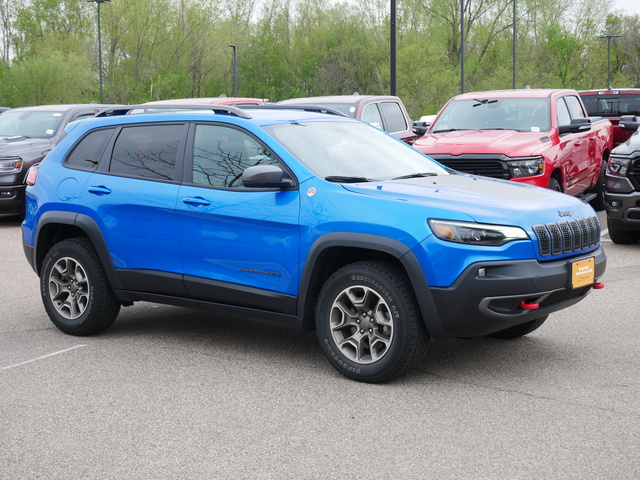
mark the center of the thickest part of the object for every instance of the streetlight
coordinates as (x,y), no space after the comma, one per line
(393,47)
(235,70)
(609,37)
(99,43)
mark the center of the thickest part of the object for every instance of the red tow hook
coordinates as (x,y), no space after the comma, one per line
(529,305)
(598,286)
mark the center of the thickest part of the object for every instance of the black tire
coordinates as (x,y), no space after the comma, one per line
(554,185)
(622,237)
(368,322)
(598,202)
(75,290)
(519,330)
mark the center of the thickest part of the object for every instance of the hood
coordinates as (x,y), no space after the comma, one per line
(630,147)
(481,199)
(15,145)
(518,144)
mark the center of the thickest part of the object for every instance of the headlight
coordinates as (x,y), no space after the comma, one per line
(618,166)
(526,168)
(10,165)
(476,233)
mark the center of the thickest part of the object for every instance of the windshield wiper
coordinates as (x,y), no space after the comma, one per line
(416,175)
(484,101)
(341,179)
(449,130)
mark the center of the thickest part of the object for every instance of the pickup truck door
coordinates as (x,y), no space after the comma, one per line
(235,239)
(574,147)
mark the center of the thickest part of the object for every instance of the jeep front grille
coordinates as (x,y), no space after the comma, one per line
(567,237)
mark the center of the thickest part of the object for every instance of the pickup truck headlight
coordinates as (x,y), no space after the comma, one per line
(10,165)
(618,166)
(476,233)
(526,167)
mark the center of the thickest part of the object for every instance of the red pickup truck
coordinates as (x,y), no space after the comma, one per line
(538,136)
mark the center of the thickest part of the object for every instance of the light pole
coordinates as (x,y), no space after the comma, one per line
(609,37)
(393,47)
(99,43)
(513,48)
(461,46)
(235,70)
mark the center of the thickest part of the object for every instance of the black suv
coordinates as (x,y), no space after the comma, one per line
(622,186)
(26,136)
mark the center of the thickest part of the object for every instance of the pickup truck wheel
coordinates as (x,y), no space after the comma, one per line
(598,202)
(519,330)
(622,237)
(368,322)
(75,290)
(554,185)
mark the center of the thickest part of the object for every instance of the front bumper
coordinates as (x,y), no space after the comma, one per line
(622,202)
(11,199)
(478,305)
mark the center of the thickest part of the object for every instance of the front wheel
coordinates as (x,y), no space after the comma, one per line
(622,237)
(368,322)
(554,185)
(75,290)
(598,203)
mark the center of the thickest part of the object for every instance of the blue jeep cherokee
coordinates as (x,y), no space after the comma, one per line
(314,219)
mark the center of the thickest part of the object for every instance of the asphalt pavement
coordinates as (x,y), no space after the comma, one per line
(176,393)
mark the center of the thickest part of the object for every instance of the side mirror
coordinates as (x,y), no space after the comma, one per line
(419,128)
(577,125)
(265,176)
(629,122)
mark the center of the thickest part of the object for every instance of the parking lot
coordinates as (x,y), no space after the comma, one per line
(170,392)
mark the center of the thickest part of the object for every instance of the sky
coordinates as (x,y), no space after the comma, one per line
(629,7)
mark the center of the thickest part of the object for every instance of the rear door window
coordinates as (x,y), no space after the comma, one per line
(147,151)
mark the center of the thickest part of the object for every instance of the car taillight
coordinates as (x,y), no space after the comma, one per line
(32,174)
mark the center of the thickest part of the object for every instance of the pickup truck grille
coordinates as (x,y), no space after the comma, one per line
(635,171)
(567,237)
(488,167)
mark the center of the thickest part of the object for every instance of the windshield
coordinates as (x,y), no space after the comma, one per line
(351,150)
(521,114)
(30,123)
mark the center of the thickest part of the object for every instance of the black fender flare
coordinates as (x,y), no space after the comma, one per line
(91,230)
(389,246)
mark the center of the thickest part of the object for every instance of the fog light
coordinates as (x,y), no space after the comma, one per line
(615,204)
(482,272)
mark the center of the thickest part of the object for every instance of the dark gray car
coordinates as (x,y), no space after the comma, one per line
(27,134)
(622,186)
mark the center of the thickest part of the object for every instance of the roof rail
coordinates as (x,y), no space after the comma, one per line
(306,108)
(126,109)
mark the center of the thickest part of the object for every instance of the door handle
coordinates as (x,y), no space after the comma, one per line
(100,190)
(196,201)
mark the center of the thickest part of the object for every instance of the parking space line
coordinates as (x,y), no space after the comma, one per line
(42,357)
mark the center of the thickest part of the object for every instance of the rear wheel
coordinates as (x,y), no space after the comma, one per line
(520,330)
(368,322)
(623,237)
(75,290)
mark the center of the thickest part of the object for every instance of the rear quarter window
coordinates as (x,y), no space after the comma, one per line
(87,152)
